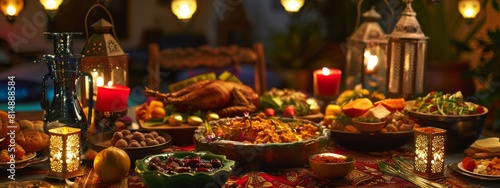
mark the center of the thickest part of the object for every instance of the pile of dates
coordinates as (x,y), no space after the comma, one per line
(174,165)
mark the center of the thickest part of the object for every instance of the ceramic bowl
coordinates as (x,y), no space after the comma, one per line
(269,155)
(369,127)
(461,130)
(331,169)
(154,178)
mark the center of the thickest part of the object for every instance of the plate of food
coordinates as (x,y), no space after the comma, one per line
(259,141)
(6,160)
(481,167)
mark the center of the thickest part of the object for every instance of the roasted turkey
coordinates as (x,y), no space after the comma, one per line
(224,97)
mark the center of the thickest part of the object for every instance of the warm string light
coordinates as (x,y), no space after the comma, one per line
(292,5)
(184,9)
(469,8)
(11,8)
(51,6)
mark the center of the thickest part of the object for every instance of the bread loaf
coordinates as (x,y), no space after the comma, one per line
(32,140)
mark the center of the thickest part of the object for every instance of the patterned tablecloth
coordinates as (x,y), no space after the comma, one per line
(365,174)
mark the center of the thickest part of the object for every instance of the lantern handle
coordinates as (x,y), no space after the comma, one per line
(109,15)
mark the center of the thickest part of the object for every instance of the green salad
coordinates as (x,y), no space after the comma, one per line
(445,104)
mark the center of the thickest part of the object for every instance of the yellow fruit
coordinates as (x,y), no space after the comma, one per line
(314,109)
(158,112)
(328,119)
(154,104)
(194,120)
(175,119)
(212,116)
(112,164)
(333,109)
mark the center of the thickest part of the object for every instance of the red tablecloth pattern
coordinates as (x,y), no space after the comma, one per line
(365,174)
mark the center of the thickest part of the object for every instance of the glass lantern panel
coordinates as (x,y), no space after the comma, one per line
(355,56)
(395,67)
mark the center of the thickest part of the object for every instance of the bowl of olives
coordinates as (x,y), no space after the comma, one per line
(137,144)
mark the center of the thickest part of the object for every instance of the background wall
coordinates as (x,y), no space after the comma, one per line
(26,34)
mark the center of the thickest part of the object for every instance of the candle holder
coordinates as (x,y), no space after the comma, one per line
(105,120)
(64,153)
(429,152)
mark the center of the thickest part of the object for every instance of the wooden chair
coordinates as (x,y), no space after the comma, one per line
(207,56)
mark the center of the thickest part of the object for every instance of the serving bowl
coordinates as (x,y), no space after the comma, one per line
(155,178)
(339,168)
(256,156)
(102,140)
(369,127)
(371,142)
(461,130)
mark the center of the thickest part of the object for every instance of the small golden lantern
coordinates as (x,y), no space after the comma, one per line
(64,153)
(103,58)
(11,8)
(51,6)
(429,152)
(184,9)
(366,55)
(406,51)
(469,8)
(292,5)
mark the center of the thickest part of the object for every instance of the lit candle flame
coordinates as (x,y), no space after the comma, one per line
(372,62)
(326,71)
(110,83)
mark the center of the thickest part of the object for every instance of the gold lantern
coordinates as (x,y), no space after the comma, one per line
(184,9)
(366,55)
(406,53)
(64,153)
(469,8)
(292,5)
(11,8)
(429,152)
(103,58)
(51,6)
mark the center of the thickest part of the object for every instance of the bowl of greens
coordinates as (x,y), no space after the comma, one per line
(462,120)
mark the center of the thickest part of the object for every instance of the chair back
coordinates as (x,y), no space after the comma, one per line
(209,57)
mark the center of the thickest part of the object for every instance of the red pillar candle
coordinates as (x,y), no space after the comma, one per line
(112,98)
(326,82)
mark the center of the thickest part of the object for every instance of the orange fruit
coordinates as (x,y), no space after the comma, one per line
(357,107)
(392,104)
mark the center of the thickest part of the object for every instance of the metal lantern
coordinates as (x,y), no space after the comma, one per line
(366,55)
(429,152)
(64,153)
(103,58)
(406,57)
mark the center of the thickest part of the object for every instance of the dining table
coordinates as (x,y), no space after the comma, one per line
(366,172)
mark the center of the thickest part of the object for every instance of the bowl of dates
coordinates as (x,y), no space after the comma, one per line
(184,169)
(137,144)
